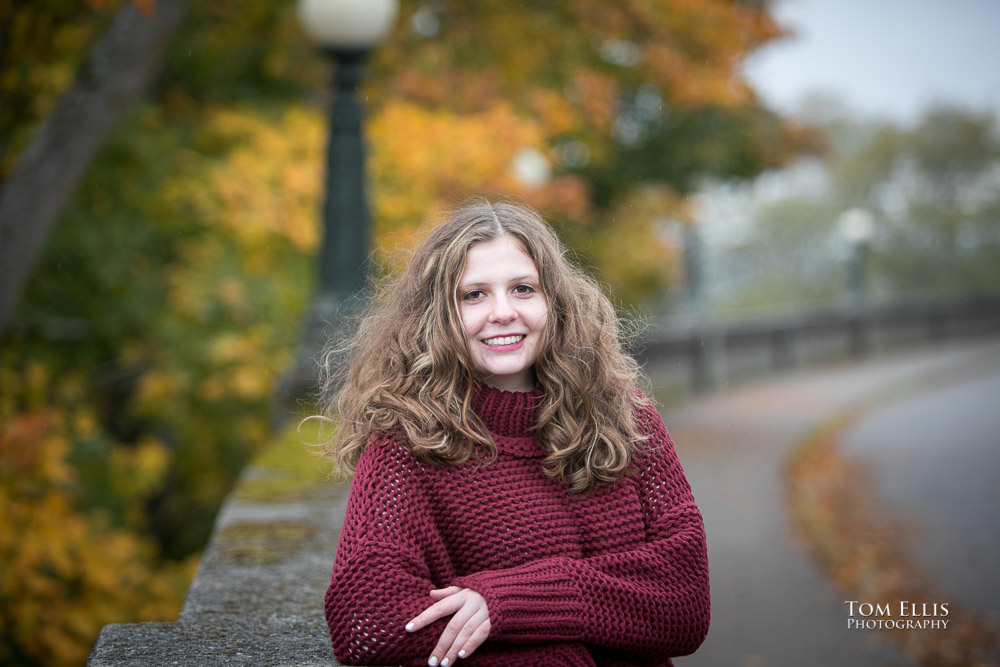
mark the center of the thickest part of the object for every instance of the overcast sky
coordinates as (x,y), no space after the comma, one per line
(889,58)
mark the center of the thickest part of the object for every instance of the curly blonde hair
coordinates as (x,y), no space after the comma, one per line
(409,368)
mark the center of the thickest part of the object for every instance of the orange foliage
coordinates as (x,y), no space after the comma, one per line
(65,574)
(267,184)
(634,230)
(693,49)
(424,161)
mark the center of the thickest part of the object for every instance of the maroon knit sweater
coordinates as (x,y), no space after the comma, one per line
(618,576)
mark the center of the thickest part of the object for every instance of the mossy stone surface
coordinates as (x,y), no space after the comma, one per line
(258,595)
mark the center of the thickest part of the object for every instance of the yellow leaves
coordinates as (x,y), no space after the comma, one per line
(242,373)
(269,184)
(232,347)
(555,112)
(140,469)
(425,160)
(158,386)
(84,424)
(190,296)
(63,574)
(63,578)
(250,382)
(439,149)
(232,293)
(36,379)
(212,389)
(633,229)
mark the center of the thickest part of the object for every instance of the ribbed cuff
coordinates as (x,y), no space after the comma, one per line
(536,602)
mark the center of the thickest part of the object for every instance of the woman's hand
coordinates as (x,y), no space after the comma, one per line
(468,628)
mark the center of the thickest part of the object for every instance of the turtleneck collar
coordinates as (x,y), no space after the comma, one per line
(508,414)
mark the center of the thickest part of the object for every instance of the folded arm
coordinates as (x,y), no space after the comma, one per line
(651,602)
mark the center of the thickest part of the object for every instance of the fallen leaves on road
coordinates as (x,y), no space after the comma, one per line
(863,544)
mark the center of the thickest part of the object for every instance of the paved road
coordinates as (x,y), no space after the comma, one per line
(936,457)
(770,605)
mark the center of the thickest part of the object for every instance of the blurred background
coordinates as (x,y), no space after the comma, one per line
(709,161)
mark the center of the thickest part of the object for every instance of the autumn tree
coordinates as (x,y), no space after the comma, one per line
(618,98)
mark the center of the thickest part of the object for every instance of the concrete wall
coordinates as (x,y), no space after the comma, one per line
(258,596)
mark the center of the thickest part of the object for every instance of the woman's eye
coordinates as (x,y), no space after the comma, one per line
(524,289)
(472,295)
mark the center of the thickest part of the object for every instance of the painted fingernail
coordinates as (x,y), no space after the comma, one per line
(433,662)
(444,663)
(409,626)
(462,653)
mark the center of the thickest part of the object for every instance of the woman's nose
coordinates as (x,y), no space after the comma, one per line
(502,311)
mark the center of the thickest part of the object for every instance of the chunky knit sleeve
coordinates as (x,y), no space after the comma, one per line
(381,577)
(649,603)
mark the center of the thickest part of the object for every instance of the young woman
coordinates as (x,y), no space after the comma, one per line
(516,500)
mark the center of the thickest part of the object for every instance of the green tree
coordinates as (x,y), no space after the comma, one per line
(117,68)
(932,192)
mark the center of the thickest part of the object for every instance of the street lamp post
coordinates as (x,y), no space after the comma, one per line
(347,31)
(856,227)
(346,218)
(694,268)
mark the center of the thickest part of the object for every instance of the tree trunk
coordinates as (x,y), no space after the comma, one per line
(114,74)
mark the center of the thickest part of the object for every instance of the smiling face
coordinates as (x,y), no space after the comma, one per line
(503,312)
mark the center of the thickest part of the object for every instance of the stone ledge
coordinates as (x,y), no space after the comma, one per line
(258,596)
(220,643)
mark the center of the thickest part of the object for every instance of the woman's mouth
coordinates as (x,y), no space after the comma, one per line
(501,341)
